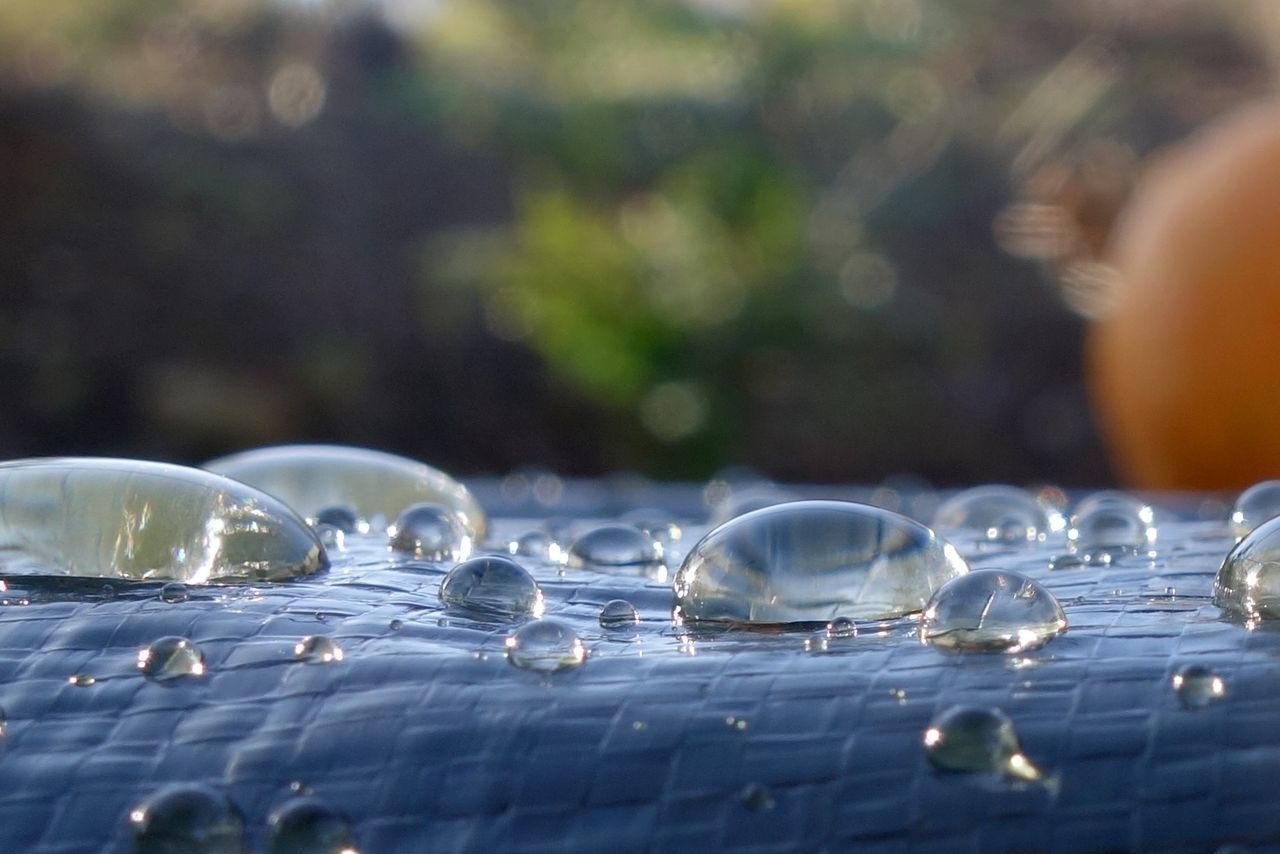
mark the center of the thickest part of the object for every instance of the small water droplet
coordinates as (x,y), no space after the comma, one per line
(990,610)
(307,825)
(431,532)
(818,643)
(996,513)
(317,649)
(333,538)
(1255,505)
(618,614)
(340,516)
(545,646)
(757,797)
(610,546)
(1111,524)
(82,680)
(171,658)
(1248,582)
(658,524)
(187,817)
(639,726)
(173,592)
(735,722)
(813,561)
(899,694)
(299,788)
(396,625)
(842,627)
(976,739)
(1198,686)
(536,544)
(492,585)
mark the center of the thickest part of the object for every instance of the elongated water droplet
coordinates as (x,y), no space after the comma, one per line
(990,610)
(1111,524)
(187,817)
(545,646)
(492,585)
(618,614)
(813,561)
(999,514)
(842,627)
(1255,505)
(173,592)
(431,532)
(140,520)
(307,825)
(977,739)
(1198,686)
(171,658)
(312,477)
(614,546)
(1248,583)
(317,649)
(341,516)
(82,680)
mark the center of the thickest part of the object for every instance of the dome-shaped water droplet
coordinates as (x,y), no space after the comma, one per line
(334,539)
(187,817)
(312,477)
(618,614)
(492,585)
(842,627)
(536,544)
(307,825)
(976,739)
(1000,514)
(1110,524)
(545,646)
(813,561)
(173,592)
(614,546)
(1248,583)
(1255,505)
(1197,686)
(341,516)
(990,610)
(317,649)
(431,532)
(171,658)
(140,520)
(658,524)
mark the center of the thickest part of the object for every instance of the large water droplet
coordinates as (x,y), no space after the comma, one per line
(989,610)
(619,614)
(999,514)
(614,546)
(842,627)
(309,826)
(492,585)
(813,561)
(312,477)
(174,592)
(545,646)
(187,817)
(976,739)
(317,649)
(431,532)
(1111,524)
(141,520)
(1248,583)
(1197,686)
(171,658)
(1255,505)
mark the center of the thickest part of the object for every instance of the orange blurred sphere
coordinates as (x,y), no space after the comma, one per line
(1185,368)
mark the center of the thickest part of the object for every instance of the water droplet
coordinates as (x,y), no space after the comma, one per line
(842,627)
(492,585)
(1248,583)
(82,680)
(757,797)
(307,825)
(735,722)
(171,658)
(1111,524)
(658,524)
(614,546)
(974,739)
(431,532)
(619,614)
(396,625)
(536,544)
(813,561)
(312,477)
(1000,514)
(173,592)
(990,610)
(334,539)
(317,649)
(187,817)
(341,516)
(141,520)
(1198,686)
(545,646)
(1255,505)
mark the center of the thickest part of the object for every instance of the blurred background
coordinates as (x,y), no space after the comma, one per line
(833,240)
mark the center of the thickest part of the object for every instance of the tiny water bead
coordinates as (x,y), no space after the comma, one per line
(317,649)
(431,532)
(187,817)
(995,513)
(307,825)
(1111,524)
(341,516)
(312,477)
(173,592)
(610,546)
(842,627)
(140,520)
(545,646)
(1255,505)
(814,561)
(977,740)
(171,658)
(82,680)
(1248,583)
(492,585)
(658,524)
(1198,686)
(990,610)
(618,614)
